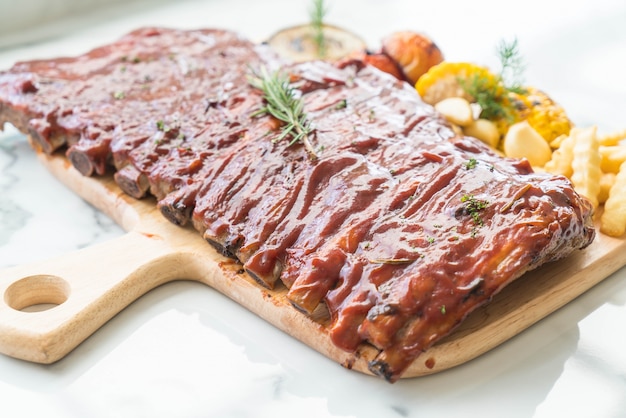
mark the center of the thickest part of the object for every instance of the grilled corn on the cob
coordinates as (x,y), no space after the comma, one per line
(546,116)
(447,79)
(479,84)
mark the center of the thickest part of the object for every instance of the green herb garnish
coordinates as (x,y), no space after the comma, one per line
(512,66)
(342,104)
(471,163)
(161,126)
(493,95)
(473,207)
(317,14)
(490,96)
(282,103)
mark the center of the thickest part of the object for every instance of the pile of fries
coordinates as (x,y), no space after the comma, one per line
(596,165)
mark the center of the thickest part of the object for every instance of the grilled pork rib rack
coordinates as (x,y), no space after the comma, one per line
(400,227)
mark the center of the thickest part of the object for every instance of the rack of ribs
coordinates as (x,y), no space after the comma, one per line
(400,227)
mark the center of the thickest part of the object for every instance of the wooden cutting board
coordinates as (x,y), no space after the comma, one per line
(88,288)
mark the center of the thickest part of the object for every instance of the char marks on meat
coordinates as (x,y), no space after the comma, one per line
(400,227)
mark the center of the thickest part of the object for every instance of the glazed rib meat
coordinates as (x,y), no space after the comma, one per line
(399,227)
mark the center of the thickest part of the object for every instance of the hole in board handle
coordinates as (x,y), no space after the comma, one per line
(37,293)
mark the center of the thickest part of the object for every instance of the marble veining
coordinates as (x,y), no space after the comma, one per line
(12,216)
(39,217)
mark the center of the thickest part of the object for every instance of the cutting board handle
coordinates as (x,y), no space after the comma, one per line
(82,290)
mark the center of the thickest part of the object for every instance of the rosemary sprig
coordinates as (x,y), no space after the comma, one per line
(282,103)
(391,260)
(317,14)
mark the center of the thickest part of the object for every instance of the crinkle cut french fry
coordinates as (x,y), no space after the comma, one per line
(561,162)
(556,142)
(612,138)
(606,182)
(613,221)
(586,171)
(612,157)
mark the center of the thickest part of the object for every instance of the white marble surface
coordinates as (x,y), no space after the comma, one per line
(184,350)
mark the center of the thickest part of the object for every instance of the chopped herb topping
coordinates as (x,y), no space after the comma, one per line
(118,95)
(161,126)
(341,105)
(471,163)
(473,206)
(443,309)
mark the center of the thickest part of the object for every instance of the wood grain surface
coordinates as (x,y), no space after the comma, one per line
(88,287)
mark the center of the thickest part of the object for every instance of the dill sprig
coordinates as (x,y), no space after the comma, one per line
(317,14)
(493,94)
(512,65)
(490,96)
(282,103)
